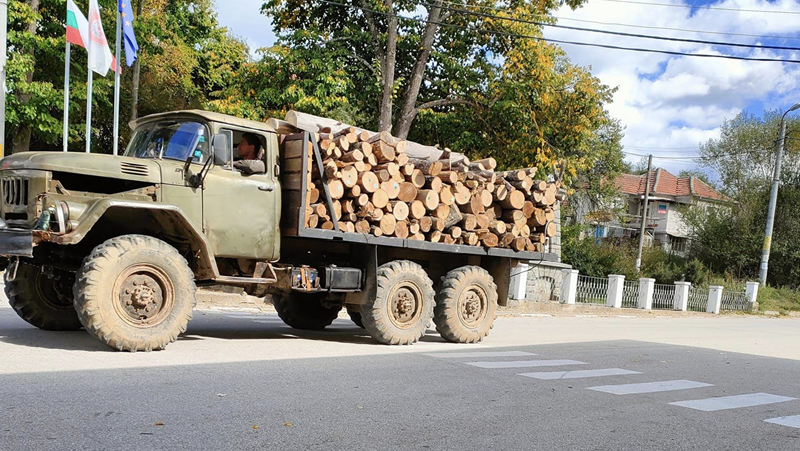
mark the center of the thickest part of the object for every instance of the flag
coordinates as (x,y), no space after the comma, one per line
(100,57)
(128,36)
(78,30)
(77,25)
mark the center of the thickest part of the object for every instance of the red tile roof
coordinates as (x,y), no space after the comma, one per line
(662,182)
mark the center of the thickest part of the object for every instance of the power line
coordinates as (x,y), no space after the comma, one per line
(618,24)
(717,8)
(615,33)
(561,41)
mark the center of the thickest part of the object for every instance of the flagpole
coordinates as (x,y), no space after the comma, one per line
(66,98)
(116,86)
(3,57)
(89,112)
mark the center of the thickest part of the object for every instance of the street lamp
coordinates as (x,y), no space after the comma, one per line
(773,199)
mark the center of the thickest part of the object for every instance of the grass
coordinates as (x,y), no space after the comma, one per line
(781,300)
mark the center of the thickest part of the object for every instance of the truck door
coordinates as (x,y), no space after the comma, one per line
(241,213)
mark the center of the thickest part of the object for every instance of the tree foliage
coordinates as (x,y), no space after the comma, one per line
(186,59)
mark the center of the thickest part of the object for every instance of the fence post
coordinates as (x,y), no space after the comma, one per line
(752,295)
(616,284)
(714,299)
(646,287)
(519,282)
(569,286)
(681,299)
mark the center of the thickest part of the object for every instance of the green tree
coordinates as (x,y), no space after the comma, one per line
(182,48)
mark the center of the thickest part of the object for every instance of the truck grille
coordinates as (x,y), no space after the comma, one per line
(15,191)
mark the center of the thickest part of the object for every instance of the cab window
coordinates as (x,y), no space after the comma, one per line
(235,137)
(174,140)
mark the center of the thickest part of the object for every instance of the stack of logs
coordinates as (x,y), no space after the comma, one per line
(378,189)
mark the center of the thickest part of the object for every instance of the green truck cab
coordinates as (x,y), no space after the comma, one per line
(118,244)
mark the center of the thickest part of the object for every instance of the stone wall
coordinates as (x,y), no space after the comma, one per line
(536,281)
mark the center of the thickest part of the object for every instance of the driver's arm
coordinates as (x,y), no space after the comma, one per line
(248,167)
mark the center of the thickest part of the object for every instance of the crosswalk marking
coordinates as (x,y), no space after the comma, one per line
(791,421)
(525,363)
(453,355)
(552,375)
(649,387)
(732,402)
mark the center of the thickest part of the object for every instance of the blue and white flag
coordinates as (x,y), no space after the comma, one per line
(131,47)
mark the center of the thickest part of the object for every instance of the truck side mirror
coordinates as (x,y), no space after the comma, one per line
(222,150)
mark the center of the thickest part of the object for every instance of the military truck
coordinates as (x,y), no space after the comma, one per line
(118,245)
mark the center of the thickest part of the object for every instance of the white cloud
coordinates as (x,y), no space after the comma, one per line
(671,103)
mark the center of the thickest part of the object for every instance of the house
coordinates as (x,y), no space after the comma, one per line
(665,225)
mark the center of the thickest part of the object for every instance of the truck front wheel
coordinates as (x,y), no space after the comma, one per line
(135,293)
(403,304)
(41,300)
(305,311)
(466,305)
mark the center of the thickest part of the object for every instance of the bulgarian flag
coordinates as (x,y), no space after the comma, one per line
(78,34)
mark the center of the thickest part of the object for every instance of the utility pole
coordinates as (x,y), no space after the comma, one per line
(3,57)
(644,213)
(773,199)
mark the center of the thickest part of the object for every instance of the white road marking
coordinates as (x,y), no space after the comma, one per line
(454,355)
(792,421)
(552,375)
(649,387)
(732,402)
(525,363)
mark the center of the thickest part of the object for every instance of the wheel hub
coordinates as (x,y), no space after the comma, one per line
(405,306)
(144,295)
(472,306)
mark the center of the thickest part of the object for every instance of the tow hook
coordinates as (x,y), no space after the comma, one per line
(11,270)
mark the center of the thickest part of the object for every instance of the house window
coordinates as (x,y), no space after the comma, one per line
(679,244)
(662,209)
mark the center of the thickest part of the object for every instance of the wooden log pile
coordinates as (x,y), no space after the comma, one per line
(378,189)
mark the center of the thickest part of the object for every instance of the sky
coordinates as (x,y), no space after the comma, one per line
(668,104)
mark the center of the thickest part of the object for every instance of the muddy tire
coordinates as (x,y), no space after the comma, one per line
(40,300)
(355,316)
(403,304)
(135,293)
(466,305)
(305,311)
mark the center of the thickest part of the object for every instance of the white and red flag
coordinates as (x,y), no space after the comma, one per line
(100,57)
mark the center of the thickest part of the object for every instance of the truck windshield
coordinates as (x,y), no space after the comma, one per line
(174,140)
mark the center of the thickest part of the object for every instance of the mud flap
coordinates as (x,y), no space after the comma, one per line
(367,258)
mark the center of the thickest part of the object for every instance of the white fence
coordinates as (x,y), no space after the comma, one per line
(615,291)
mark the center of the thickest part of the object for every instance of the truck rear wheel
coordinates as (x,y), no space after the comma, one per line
(403,304)
(40,300)
(466,305)
(135,293)
(305,311)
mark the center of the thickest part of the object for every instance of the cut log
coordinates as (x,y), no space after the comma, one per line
(474,206)
(399,210)
(417,209)
(454,231)
(487,163)
(362,226)
(471,239)
(550,229)
(453,217)
(446,196)
(349,176)
(379,198)
(486,198)
(391,188)
(336,189)
(435,236)
(377,231)
(506,239)
(425,224)
(413,228)
(497,227)
(442,212)
(550,214)
(368,181)
(429,198)
(500,192)
(417,178)
(528,209)
(408,192)
(353,156)
(401,229)
(488,239)
(434,183)
(483,221)
(515,200)
(461,193)
(388,223)
(428,167)
(469,222)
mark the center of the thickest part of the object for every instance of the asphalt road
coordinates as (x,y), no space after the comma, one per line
(246,381)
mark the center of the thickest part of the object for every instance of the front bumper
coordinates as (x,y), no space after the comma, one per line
(16,243)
